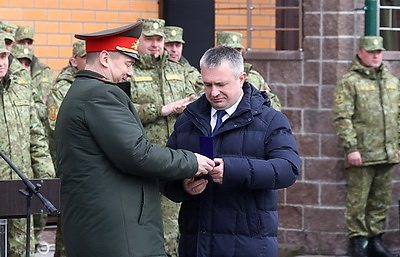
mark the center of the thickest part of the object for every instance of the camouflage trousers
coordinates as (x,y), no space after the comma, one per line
(170,212)
(16,238)
(60,250)
(39,223)
(368,199)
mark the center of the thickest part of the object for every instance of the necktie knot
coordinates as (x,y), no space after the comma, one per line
(220,114)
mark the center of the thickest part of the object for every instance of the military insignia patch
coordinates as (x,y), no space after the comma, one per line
(339,98)
(53,112)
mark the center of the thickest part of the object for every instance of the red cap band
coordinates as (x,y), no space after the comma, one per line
(115,43)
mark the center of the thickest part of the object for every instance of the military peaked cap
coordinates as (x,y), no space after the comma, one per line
(230,39)
(124,39)
(173,34)
(371,43)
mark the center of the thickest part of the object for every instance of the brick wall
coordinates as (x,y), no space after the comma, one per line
(232,15)
(312,211)
(56,21)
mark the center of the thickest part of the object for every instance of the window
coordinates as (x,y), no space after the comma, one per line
(265,24)
(389,21)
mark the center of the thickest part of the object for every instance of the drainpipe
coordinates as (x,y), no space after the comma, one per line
(370,23)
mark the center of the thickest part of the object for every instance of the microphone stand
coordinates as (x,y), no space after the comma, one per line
(28,192)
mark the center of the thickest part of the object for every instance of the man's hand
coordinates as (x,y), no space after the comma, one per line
(177,106)
(205,165)
(354,158)
(194,187)
(218,172)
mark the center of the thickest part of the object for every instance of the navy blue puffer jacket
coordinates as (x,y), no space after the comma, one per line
(238,217)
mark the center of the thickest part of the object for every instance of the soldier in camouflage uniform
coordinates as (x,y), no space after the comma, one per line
(160,92)
(56,96)
(22,139)
(234,40)
(25,55)
(174,45)
(366,118)
(42,76)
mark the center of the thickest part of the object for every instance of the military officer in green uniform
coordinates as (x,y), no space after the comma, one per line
(366,119)
(174,45)
(22,139)
(109,170)
(234,40)
(160,92)
(56,96)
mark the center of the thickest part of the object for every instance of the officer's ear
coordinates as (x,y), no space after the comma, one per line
(104,58)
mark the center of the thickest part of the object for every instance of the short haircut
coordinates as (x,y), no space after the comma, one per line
(215,56)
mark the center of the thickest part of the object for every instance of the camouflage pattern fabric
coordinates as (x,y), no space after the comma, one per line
(363,124)
(157,82)
(193,75)
(56,96)
(42,79)
(24,32)
(9,28)
(24,142)
(255,78)
(366,118)
(368,199)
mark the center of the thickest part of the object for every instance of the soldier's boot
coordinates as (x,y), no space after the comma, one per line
(358,246)
(376,249)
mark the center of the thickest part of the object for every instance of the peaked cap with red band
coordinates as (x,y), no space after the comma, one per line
(124,39)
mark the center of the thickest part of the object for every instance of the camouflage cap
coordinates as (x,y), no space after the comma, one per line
(7,35)
(7,27)
(3,48)
(173,34)
(21,51)
(230,39)
(371,43)
(79,48)
(24,32)
(153,27)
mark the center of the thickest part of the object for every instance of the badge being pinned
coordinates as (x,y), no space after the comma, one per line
(339,98)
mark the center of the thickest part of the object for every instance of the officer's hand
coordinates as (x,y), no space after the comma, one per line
(194,187)
(218,172)
(177,106)
(354,158)
(205,165)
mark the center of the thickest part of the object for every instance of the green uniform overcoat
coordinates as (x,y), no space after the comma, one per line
(109,173)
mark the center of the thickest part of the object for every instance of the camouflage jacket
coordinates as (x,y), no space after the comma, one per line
(255,78)
(157,82)
(366,113)
(56,96)
(23,138)
(42,76)
(193,75)
(42,80)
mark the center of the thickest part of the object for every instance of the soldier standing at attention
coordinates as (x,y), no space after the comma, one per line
(22,139)
(42,76)
(366,119)
(234,40)
(160,92)
(56,96)
(174,45)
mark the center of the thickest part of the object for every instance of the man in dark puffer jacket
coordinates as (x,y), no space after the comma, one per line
(233,210)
